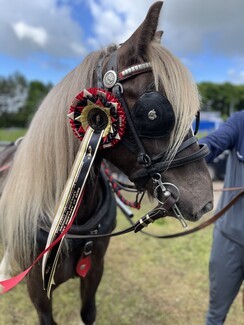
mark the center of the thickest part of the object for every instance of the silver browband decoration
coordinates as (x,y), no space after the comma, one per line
(110,78)
(136,68)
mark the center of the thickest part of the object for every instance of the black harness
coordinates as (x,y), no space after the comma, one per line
(102,222)
(152,116)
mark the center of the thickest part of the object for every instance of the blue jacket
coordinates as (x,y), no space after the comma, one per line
(230,135)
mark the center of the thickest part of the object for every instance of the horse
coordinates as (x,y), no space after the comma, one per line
(156,149)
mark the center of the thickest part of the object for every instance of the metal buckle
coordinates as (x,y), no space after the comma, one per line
(164,187)
(144,160)
(88,248)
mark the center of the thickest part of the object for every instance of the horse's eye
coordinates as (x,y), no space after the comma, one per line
(151,87)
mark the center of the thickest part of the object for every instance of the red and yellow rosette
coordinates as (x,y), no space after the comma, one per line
(98,109)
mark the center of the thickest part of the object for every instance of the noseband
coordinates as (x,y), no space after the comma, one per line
(150,167)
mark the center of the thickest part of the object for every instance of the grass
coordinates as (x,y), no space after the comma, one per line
(146,281)
(11,134)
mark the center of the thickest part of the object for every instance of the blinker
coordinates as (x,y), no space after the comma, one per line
(153,115)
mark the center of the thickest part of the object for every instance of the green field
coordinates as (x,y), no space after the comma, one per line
(146,281)
(11,135)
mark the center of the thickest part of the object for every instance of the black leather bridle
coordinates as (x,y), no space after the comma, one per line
(150,167)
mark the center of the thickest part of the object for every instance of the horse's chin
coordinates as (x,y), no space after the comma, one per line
(191,211)
(192,217)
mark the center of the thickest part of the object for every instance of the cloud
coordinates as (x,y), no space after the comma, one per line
(196,31)
(235,76)
(115,21)
(196,25)
(40,25)
(36,34)
(191,26)
(63,31)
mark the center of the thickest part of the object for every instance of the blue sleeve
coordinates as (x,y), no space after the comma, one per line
(222,139)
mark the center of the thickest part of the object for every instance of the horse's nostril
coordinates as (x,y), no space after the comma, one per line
(208,207)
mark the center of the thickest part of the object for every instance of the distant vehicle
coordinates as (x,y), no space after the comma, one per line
(209,122)
(218,166)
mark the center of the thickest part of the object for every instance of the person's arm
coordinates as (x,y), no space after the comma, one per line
(222,139)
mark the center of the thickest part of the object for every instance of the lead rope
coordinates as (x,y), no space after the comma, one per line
(128,214)
(5,167)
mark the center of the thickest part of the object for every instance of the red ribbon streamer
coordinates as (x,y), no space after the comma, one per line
(9,284)
(4,167)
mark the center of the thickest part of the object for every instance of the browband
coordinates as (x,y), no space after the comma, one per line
(111,77)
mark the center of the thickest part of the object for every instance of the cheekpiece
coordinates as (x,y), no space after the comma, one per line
(100,110)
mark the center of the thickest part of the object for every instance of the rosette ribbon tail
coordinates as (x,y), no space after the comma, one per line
(69,204)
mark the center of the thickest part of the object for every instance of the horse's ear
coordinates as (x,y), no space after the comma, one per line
(158,36)
(135,47)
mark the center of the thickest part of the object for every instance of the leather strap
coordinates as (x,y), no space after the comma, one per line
(134,226)
(208,222)
(112,63)
(164,165)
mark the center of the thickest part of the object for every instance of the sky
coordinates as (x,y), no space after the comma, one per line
(45,39)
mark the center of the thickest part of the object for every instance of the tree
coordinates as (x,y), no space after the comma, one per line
(13,93)
(19,99)
(36,92)
(225,98)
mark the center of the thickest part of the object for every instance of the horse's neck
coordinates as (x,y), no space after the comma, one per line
(7,154)
(6,158)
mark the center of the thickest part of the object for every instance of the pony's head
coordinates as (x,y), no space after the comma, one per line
(162,101)
(157,147)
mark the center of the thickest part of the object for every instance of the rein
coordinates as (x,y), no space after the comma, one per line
(135,204)
(144,221)
(7,285)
